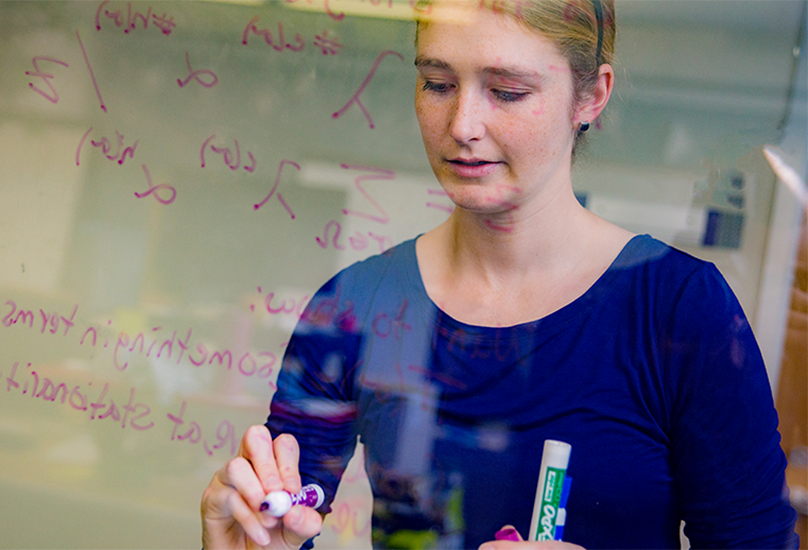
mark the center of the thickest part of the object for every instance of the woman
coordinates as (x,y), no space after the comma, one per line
(522,318)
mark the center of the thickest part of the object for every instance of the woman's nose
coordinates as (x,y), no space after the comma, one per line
(467,123)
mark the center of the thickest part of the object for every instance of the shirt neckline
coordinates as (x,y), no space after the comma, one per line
(554,320)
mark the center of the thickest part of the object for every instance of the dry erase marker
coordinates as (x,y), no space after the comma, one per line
(549,513)
(277,503)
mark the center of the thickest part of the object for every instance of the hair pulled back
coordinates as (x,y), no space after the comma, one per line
(584,32)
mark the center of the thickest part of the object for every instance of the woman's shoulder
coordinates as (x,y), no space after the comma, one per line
(686,286)
(370,283)
(393,261)
(646,253)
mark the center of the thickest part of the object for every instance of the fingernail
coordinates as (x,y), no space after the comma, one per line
(262,538)
(509,533)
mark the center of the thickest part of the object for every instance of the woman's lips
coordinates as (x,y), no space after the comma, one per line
(472,168)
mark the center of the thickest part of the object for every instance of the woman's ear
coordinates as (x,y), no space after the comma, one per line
(592,106)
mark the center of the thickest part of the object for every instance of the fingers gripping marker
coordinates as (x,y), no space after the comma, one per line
(278,503)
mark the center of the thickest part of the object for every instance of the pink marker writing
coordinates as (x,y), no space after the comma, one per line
(277,503)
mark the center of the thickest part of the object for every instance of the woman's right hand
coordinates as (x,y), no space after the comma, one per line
(230,504)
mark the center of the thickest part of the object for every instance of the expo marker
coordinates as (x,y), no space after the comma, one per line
(277,503)
(549,513)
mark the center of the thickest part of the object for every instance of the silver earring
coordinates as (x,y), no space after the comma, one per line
(583,127)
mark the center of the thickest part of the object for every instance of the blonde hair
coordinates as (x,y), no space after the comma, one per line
(584,32)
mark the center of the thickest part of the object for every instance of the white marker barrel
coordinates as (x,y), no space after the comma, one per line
(554,461)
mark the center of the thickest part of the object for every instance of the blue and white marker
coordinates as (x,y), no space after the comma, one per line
(549,508)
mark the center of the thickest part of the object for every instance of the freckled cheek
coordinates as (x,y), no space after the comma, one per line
(433,122)
(427,120)
(538,109)
(520,131)
(419,112)
(432,145)
(529,145)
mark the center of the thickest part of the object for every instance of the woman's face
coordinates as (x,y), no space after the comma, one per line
(494,103)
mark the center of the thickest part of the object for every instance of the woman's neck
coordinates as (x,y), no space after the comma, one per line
(519,241)
(508,273)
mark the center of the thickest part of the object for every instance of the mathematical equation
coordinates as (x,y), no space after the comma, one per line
(50,72)
(117,150)
(45,69)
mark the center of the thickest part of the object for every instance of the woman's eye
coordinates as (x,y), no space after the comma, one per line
(508,96)
(437,87)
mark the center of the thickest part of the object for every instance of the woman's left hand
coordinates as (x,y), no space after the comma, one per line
(508,538)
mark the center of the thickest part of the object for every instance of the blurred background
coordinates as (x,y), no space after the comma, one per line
(178,178)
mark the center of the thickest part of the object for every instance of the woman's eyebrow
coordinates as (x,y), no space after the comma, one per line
(423,62)
(430,62)
(515,73)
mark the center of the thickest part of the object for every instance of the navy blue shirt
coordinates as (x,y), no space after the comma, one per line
(652,375)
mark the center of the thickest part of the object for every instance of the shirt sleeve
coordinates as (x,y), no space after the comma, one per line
(314,401)
(725,448)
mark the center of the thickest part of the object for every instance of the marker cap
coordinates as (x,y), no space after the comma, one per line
(319,496)
(556,454)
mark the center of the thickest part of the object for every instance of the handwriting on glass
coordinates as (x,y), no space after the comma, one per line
(46,77)
(328,45)
(281,307)
(149,344)
(225,433)
(119,153)
(197,75)
(360,240)
(376,174)
(347,521)
(231,159)
(130,20)
(132,415)
(53,97)
(92,74)
(100,404)
(442,207)
(275,187)
(368,78)
(163,198)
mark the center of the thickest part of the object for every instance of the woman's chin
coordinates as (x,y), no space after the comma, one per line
(479,200)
